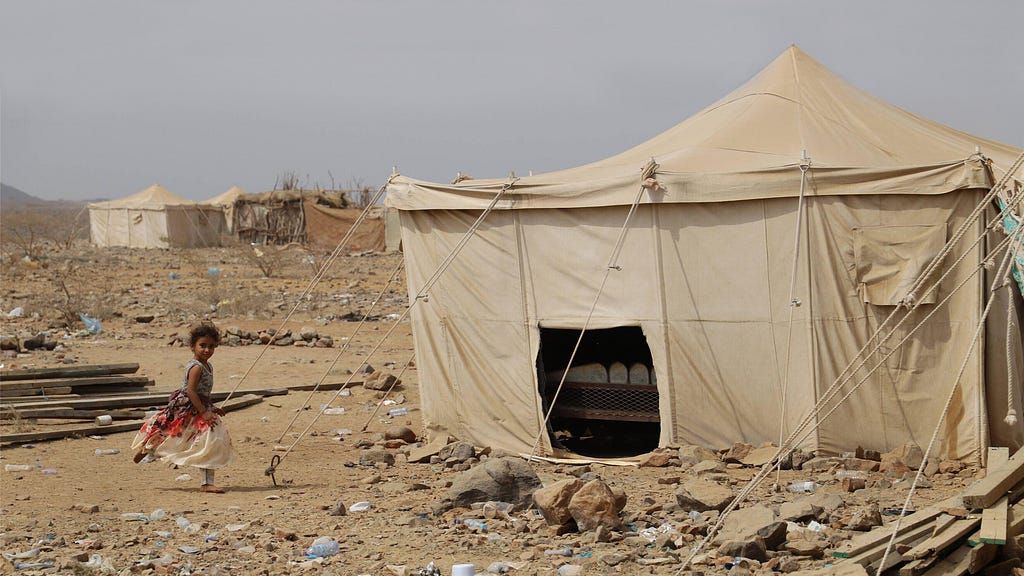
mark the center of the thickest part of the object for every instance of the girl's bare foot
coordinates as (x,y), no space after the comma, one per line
(211,489)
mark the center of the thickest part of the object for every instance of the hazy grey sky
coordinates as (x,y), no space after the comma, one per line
(103,98)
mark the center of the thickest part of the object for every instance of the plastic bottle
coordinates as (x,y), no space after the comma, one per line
(398,412)
(360,507)
(182,522)
(17,467)
(322,547)
(107,451)
(562,552)
(802,486)
(157,514)
(135,516)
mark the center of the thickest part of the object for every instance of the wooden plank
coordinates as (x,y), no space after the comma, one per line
(40,392)
(945,540)
(953,564)
(875,553)
(995,484)
(980,556)
(993,522)
(15,387)
(918,567)
(153,400)
(68,371)
(943,522)
(64,413)
(233,404)
(998,456)
(869,540)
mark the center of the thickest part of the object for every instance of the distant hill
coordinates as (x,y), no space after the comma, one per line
(11,196)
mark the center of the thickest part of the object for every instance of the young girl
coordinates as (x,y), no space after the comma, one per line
(189,431)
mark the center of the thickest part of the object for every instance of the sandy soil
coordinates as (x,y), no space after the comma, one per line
(260,528)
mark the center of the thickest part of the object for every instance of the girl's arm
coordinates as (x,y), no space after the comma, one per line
(194,374)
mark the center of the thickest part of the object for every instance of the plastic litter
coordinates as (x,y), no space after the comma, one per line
(430,570)
(213,272)
(212,536)
(174,275)
(570,570)
(360,507)
(322,547)
(16,313)
(49,470)
(398,412)
(562,552)
(473,523)
(92,325)
(183,478)
(334,411)
(344,392)
(107,451)
(189,549)
(814,526)
(236,527)
(17,467)
(803,487)
(23,555)
(135,517)
(29,565)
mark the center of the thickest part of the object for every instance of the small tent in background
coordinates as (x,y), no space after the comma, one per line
(226,202)
(154,218)
(697,330)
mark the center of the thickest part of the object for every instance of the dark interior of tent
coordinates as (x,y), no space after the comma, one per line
(615,418)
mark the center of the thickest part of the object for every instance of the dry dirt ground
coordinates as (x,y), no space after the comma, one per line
(257,528)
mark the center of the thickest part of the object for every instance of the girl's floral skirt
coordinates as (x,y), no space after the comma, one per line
(178,435)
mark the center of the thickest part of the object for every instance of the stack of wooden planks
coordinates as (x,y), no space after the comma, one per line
(962,535)
(67,396)
(68,381)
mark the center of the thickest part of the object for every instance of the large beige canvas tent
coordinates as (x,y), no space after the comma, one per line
(702,276)
(226,202)
(154,218)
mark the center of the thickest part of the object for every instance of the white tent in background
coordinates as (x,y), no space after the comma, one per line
(700,287)
(226,202)
(154,218)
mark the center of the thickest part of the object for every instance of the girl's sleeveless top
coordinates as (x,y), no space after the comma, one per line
(205,387)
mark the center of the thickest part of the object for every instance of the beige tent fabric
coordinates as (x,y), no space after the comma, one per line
(706,271)
(154,218)
(226,202)
(747,146)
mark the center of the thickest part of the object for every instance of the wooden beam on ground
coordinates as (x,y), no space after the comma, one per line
(993,522)
(129,401)
(37,392)
(953,564)
(995,484)
(13,388)
(980,556)
(875,553)
(869,540)
(945,540)
(68,371)
(233,404)
(65,413)
(325,386)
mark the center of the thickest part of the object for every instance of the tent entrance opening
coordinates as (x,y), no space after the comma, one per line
(608,406)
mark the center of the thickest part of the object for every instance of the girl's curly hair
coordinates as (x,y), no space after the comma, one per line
(204,328)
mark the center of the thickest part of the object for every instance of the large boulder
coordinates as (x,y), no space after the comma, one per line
(553,500)
(498,479)
(596,504)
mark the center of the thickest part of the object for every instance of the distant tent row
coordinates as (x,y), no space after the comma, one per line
(157,218)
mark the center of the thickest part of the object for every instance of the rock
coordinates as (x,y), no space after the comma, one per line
(233,331)
(324,342)
(910,454)
(339,509)
(827,502)
(809,548)
(707,467)
(759,456)
(702,495)
(285,341)
(595,504)
(145,318)
(821,463)
(669,480)
(614,558)
(736,453)
(864,518)
(499,479)
(798,511)
(423,453)
(307,333)
(373,456)
(232,340)
(893,466)
(34,343)
(9,343)
(744,523)
(655,460)
(693,454)
(753,549)
(773,535)
(459,451)
(553,500)
(400,433)
(949,466)
(797,459)
(380,380)
(860,464)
